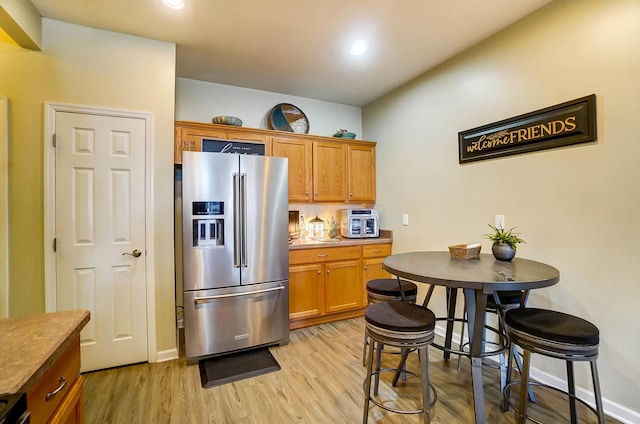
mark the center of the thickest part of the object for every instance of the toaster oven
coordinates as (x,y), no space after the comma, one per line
(359,223)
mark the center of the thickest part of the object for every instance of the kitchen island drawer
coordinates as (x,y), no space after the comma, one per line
(307,256)
(376,250)
(51,389)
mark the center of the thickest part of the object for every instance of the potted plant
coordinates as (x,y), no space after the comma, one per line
(504,241)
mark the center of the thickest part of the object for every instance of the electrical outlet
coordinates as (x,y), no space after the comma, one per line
(405,219)
(499,221)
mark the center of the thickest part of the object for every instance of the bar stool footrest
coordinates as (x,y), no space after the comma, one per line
(461,352)
(511,404)
(434,394)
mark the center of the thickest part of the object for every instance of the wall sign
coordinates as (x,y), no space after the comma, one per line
(560,125)
(233,146)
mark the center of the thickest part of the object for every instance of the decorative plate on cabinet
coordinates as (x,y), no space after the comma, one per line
(287,117)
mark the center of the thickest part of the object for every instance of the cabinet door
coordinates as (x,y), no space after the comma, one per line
(299,153)
(329,172)
(251,136)
(343,285)
(306,291)
(371,270)
(71,410)
(191,139)
(361,170)
(372,257)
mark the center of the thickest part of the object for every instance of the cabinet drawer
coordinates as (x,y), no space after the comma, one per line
(307,256)
(376,250)
(63,372)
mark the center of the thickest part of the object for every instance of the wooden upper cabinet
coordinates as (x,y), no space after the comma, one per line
(299,153)
(321,169)
(189,135)
(191,139)
(251,136)
(361,173)
(329,171)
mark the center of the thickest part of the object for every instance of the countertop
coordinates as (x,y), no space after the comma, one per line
(385,237)
(30,345)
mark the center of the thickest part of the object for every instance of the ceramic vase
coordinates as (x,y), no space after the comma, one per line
(503,251)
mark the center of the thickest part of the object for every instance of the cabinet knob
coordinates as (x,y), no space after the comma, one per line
(307,193)
(328,271)
(316,193)
(350,194)
(366,268)
(319,272)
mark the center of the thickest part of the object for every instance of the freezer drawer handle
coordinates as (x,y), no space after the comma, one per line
(198,299)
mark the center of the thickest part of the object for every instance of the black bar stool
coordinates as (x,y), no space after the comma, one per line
(557,335)
(408,327)
(498,304)
(387,289)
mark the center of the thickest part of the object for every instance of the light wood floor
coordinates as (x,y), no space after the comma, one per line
(320,382)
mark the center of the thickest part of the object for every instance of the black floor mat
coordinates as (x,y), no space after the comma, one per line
(237,366)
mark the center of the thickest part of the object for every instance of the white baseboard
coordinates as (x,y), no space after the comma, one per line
(612,409)
(167,355)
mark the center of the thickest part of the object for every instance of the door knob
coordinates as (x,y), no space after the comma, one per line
(136,253)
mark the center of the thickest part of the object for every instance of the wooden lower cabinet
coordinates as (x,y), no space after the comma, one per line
(306,291)
(328,284)
(372,257)
(58,396)
(343,286)
(71,410)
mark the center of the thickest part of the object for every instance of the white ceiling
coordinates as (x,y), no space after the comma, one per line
(301,47)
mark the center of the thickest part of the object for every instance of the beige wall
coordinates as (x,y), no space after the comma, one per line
(199,101)
(578,206)
(84,66)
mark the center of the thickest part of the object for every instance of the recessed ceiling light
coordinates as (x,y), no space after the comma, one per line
(358,48)
(174,4)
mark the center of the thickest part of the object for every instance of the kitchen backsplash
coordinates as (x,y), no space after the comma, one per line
(324,211)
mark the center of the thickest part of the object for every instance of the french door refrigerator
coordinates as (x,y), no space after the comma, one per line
(235,252)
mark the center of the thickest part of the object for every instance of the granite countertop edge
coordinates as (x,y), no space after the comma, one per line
(30,345)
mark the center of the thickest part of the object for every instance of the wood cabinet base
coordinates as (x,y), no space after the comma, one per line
(307,322)
(329,284)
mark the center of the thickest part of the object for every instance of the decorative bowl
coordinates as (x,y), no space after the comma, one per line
(227,120)
(287,117)
(344,134)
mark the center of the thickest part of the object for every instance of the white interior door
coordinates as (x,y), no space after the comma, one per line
(100,228)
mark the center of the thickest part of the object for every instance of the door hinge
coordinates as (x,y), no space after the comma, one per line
(55,244)
(54,140)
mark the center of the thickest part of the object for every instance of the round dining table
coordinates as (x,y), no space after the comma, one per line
(477,278)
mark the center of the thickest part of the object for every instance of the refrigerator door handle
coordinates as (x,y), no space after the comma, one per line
(236,221)
(243,227)
(201,299)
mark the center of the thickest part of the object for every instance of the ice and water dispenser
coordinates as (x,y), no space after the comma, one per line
(208,231)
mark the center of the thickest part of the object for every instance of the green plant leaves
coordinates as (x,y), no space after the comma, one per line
(500,235)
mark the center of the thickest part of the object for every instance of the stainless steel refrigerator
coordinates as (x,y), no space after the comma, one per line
(235,252)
